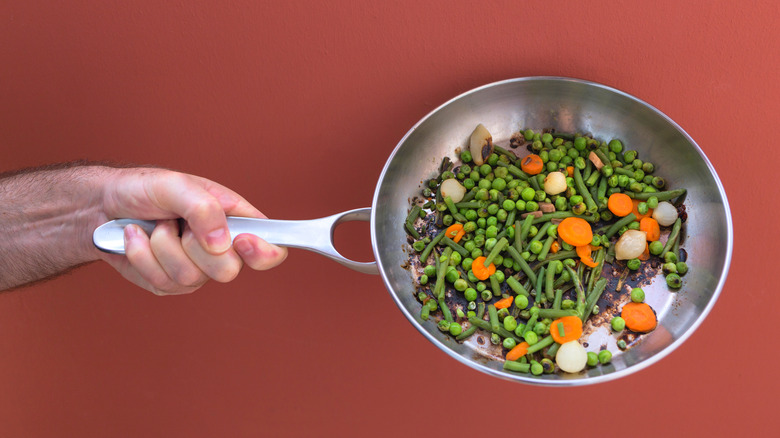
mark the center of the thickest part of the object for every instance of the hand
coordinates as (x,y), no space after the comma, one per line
(165,263)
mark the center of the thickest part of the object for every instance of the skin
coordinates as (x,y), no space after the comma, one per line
(50,213)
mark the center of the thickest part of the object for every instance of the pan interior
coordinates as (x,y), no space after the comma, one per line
(567,105)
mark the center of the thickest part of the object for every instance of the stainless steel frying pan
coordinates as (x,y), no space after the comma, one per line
(567,105)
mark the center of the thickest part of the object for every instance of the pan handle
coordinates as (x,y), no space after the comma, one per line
(314,234)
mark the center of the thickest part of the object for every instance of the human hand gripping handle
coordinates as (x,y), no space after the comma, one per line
(315,235)
(170,260)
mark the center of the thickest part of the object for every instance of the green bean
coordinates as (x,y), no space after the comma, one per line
(553,350)
(583,191)
(624,171)
(558,299)
(596,272)
(511,155)
(539,289)
(518,367)
(593,179)
(425,312)
(469,204)
(445,310)
(673,235)
(410,229)
(534,183)
(493,315)
(588,169)
(454,210)
(523,264)
(556,313)
(602,156)
(662,196)
(500,245)
(438,289)
(495,286)
(601,193)
(485,325)
(549,280)
(472,329)
(524,228)
(546,248)
(580,291)
(516,286)
(593,297)
(541,233)
(620,224)
(427,251)
(560,255)
(451,243)
(515,171)
(414,213)
(540,345)
(530,324)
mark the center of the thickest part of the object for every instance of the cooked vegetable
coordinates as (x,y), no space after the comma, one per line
(532,164)
(481,271)
(566,329)
(554,183)
(619,204)
(575,231)
(454,189)
(630,245)
(584,252)
(651,229)
(665,214)
(480,144)
(571,357)
(639,317)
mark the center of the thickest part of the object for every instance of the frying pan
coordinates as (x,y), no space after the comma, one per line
(566,105)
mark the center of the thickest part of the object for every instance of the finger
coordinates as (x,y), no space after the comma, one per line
(166,247)
(140,257)
(187,197)
(257,253)
(221,267)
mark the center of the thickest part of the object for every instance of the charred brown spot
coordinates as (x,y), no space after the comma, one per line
(487,149)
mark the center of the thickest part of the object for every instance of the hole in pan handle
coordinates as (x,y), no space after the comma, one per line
(314,234)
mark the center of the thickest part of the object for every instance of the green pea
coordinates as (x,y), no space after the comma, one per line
(605,357)
(510,323)
(580,143)
(615,146)
(455,329)
(561,204)
(579,208)
(470,294)
(509,343)
(531,206)
(673,281)
(548,365)
(455,259)
(536,368)
(535,247)
(443,325)
(618,323)
(637,295)
(521,302)
(460,285)
(493,159)
(634,264)
(528,194)
(451,275)
(531,337)
(423,279)
(682,268)
(642,207)
(659,182)
(552,230)
(652,202)
(465,156)
(593,359)
(429,270)
(656,247)
(499,184)
(648,167)
(670,257)
(621,344)
(633,225)
(629,156)
(541,329)
(528,134)
(501,215)
(519,205)
(547,137)
(533,231)
(486,295)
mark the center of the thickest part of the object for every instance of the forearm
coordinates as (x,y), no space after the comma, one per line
(47,217)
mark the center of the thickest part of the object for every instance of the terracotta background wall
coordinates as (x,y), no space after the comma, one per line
(297,105)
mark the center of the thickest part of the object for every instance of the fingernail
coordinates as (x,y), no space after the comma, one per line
(130,233)
(244,247)
(217,240)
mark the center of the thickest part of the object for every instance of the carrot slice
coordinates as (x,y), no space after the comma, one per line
(619,204)
(555,247)
(479,269)
(645,254)
(575,231)
(571,327)
(453,230)
(504,303)
(584,252)
(532,164)
(635,210)
(519,351)
(639,317)
(570,170)
(651,227)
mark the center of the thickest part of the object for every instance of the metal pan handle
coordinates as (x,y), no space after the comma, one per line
(314,235)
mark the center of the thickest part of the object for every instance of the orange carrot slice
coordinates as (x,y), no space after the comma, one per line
(504,303)
(619,204)
(571,327)
(532,164)
(479,269)
(651,228)
(635,210)
(519,351)
(575,231)
(639,317)
(584,252)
